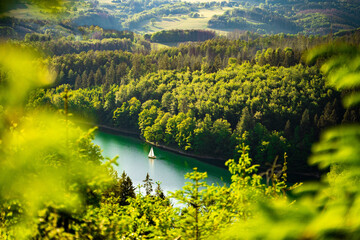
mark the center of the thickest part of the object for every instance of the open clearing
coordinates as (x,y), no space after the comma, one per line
(183,22)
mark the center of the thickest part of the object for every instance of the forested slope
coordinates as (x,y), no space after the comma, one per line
(207,98)
(150,16)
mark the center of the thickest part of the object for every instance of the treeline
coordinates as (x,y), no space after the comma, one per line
(36,37)
(116,66)
(208,56)
(168,36)
(17,28)
(89,38)
(96,32)
(266,21)
(82,33)
(272,109)
(70,46)
(198,96)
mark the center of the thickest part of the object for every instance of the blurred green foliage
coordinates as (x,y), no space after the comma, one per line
(6,5)
(328,209)
(49,167)
(342,68)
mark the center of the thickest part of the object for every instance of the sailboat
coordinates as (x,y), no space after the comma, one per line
(151,153)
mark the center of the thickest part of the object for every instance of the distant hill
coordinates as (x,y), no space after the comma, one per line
(151,16)
(288,16)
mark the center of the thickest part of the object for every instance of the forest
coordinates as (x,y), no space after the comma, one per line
(198,96)
(277,109)
(62,187)
(287,16)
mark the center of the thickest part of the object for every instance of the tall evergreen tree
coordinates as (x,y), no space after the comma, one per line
(71,76)
(122,189)
(126,190)
(159,192)
(328,118)
(148,184)
(287,130)
(84,80)
(110,75)
(98,77)
(246,122)
(78,82)
(91,79)
(305,122)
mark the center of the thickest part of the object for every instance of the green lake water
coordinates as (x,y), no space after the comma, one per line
(169,168)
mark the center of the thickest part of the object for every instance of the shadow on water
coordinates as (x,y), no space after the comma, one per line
(169,168)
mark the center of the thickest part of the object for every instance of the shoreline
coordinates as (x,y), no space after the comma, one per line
(219,162)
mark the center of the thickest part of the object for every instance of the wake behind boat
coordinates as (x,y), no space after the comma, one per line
(151,154)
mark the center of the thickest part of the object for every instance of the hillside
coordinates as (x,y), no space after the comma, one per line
(145,16)
(197,96)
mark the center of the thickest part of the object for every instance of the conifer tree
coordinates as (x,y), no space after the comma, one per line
(98,77)
(126,189)
(71,76)
(91,79)
(159,192)
(305,122)
(121,71)
(61,77)
(78,82)
(148,184)
(287,129)
(110,75)
(246,122)
(84,80)
(328,118)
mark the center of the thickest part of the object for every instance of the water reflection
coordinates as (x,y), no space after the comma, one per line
(169,168)
(151,167)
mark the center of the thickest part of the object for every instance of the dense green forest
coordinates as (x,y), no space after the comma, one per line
(62,188)
(198,96)
(257,100)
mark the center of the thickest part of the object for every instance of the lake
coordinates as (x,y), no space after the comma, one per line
(169,168)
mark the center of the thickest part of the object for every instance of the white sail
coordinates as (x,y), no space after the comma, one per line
(151,153)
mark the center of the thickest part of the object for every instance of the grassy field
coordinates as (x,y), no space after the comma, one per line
(31,12)
(183,22)
(158,46)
